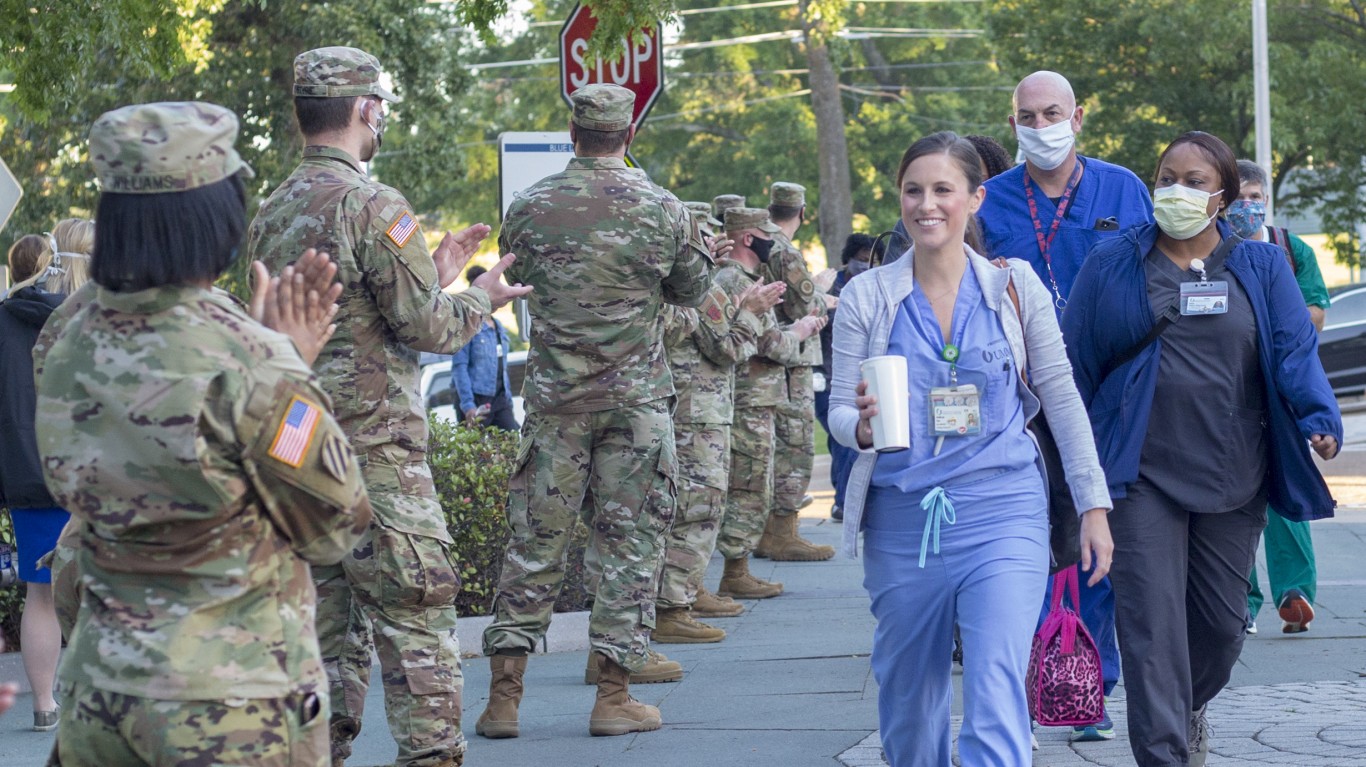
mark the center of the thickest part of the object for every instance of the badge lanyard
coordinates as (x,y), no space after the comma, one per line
(1047,242)
(954,410)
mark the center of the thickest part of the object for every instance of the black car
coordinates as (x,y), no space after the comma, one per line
(1342,344)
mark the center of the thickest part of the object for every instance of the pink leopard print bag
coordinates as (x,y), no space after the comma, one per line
(1064,680)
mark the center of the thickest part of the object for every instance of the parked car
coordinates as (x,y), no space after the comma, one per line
(439,393)
(1342,344)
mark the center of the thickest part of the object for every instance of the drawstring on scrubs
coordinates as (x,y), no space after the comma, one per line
(937,503)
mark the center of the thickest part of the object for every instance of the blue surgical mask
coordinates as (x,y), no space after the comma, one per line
(1246,217)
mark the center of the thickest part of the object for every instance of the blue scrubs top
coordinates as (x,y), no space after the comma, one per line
(984,360)
(1104,191)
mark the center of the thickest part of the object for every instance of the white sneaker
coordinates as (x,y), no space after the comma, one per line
(1198,741)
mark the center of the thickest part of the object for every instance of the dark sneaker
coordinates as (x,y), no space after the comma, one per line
(1198,738)
(45,721)
(1296,612)
(1102,730)
(837,513)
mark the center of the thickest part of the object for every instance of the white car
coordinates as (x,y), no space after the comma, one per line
(439,393)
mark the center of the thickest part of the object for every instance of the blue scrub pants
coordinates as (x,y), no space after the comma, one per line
(988,575)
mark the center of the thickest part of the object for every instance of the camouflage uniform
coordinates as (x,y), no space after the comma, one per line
(194,640)
(604,248)
(794,449)
(703,346)
(760,386)
(400,580)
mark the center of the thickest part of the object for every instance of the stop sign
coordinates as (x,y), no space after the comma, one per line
(640,68)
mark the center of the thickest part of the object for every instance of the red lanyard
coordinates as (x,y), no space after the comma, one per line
(1047,242)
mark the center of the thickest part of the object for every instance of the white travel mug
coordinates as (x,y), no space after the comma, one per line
(886,377)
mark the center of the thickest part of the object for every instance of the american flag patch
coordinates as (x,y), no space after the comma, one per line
(402,229)
(296,432)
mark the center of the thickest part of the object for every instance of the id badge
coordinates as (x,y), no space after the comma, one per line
(1204,298)
(955,411)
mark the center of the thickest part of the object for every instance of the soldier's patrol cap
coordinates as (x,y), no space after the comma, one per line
(338,71)
(165,147)
(702,210)
(739,219)
(603,106)
(787,194)
(724,202)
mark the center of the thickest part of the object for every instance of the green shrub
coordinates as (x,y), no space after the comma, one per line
(471,468)
(11,597)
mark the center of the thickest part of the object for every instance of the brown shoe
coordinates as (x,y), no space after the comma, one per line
(709,605)
(768,541)
(616,712)
(499,719)
(788,546)
(675,625)
(738,583)
(657,669)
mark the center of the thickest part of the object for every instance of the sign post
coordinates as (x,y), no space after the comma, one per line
(10,193)
(640,68)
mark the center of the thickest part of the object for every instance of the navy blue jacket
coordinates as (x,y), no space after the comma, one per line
(22,315)
(1108,312)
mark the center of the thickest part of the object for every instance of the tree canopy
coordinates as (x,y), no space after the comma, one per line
(737,112)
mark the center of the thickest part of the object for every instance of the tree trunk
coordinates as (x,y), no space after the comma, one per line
(836,215)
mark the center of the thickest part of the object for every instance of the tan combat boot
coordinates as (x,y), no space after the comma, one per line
(788,546)
(708,605)
(768,542)
(499,719)
(675,625)
(616,712)
(657,669)
(738,583)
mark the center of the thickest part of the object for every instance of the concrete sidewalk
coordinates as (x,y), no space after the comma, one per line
(791,684)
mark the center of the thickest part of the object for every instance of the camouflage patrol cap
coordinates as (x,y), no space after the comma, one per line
(165,147)
(338,71)
(603,107)
(787,194)
(702,211)
(739,219)
(724,202)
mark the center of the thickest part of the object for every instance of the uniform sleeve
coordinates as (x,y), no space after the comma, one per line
(781,346)
(801,297)
(689,279)
(400,273)
(301,465)
(1307,274)
(726,335)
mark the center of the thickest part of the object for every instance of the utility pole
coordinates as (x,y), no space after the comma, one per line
(1261,87)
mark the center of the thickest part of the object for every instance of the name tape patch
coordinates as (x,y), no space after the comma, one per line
(402,229)
(295,433)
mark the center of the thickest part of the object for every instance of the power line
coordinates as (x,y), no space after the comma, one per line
(725,107)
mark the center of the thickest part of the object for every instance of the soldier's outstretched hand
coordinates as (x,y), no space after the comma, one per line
(455,251)
(760,297)
(492,283)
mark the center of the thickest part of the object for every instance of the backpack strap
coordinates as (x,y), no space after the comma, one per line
(1281,236)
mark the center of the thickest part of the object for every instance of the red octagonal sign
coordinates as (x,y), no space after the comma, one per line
(640,67)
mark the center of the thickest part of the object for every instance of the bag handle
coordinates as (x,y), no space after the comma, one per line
(1001,263)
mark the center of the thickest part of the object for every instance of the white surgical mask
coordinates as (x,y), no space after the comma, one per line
(1180,210)
(1046,147)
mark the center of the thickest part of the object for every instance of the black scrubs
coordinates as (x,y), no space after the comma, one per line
(1186,535)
